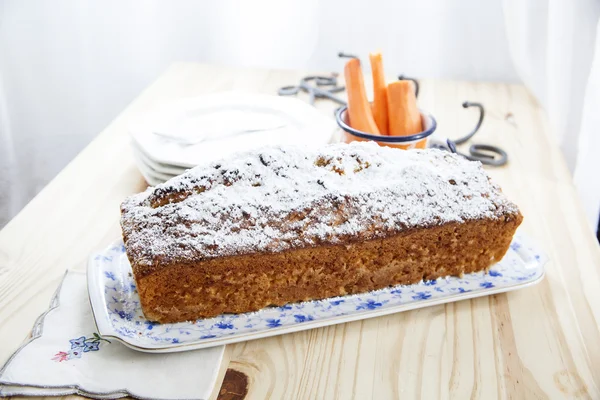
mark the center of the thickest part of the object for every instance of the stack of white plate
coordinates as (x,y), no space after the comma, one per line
(189,132)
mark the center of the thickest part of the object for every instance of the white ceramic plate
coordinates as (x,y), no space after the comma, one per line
(117,312)
(155,166)
(158,175)
(151,178)
(222,121)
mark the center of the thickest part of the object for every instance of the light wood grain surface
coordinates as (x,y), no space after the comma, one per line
(539,342)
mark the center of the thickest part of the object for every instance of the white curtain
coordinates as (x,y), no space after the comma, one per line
(587,169)
(9,196)
(68,67)
(555,46)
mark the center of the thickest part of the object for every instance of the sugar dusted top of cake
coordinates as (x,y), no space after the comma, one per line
(281,198)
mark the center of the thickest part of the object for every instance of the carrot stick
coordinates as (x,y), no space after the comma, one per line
(359,110)
(404,116)
(380,105)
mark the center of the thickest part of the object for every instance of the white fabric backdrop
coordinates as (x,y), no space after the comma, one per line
(553,44)
(68,67)
(587,168)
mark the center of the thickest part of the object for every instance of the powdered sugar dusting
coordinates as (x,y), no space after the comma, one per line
(280,198)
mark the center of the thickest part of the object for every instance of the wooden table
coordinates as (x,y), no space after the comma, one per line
(538,342)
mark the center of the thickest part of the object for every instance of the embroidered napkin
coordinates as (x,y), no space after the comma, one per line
(66,356)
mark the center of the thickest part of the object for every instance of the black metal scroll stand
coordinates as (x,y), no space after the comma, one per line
(484,153)
(324,88)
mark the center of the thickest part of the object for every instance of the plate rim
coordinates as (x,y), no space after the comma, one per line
(244,337)
(149,178)
(165,169)
(100,302)
(151,171)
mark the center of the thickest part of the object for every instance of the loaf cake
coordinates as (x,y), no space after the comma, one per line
(286,224)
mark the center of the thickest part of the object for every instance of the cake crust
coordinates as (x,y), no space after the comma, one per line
(281,225)
(248,283)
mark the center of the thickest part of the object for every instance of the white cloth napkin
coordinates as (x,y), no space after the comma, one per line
(65,356)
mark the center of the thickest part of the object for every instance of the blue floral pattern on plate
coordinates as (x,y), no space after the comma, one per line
(118,314)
